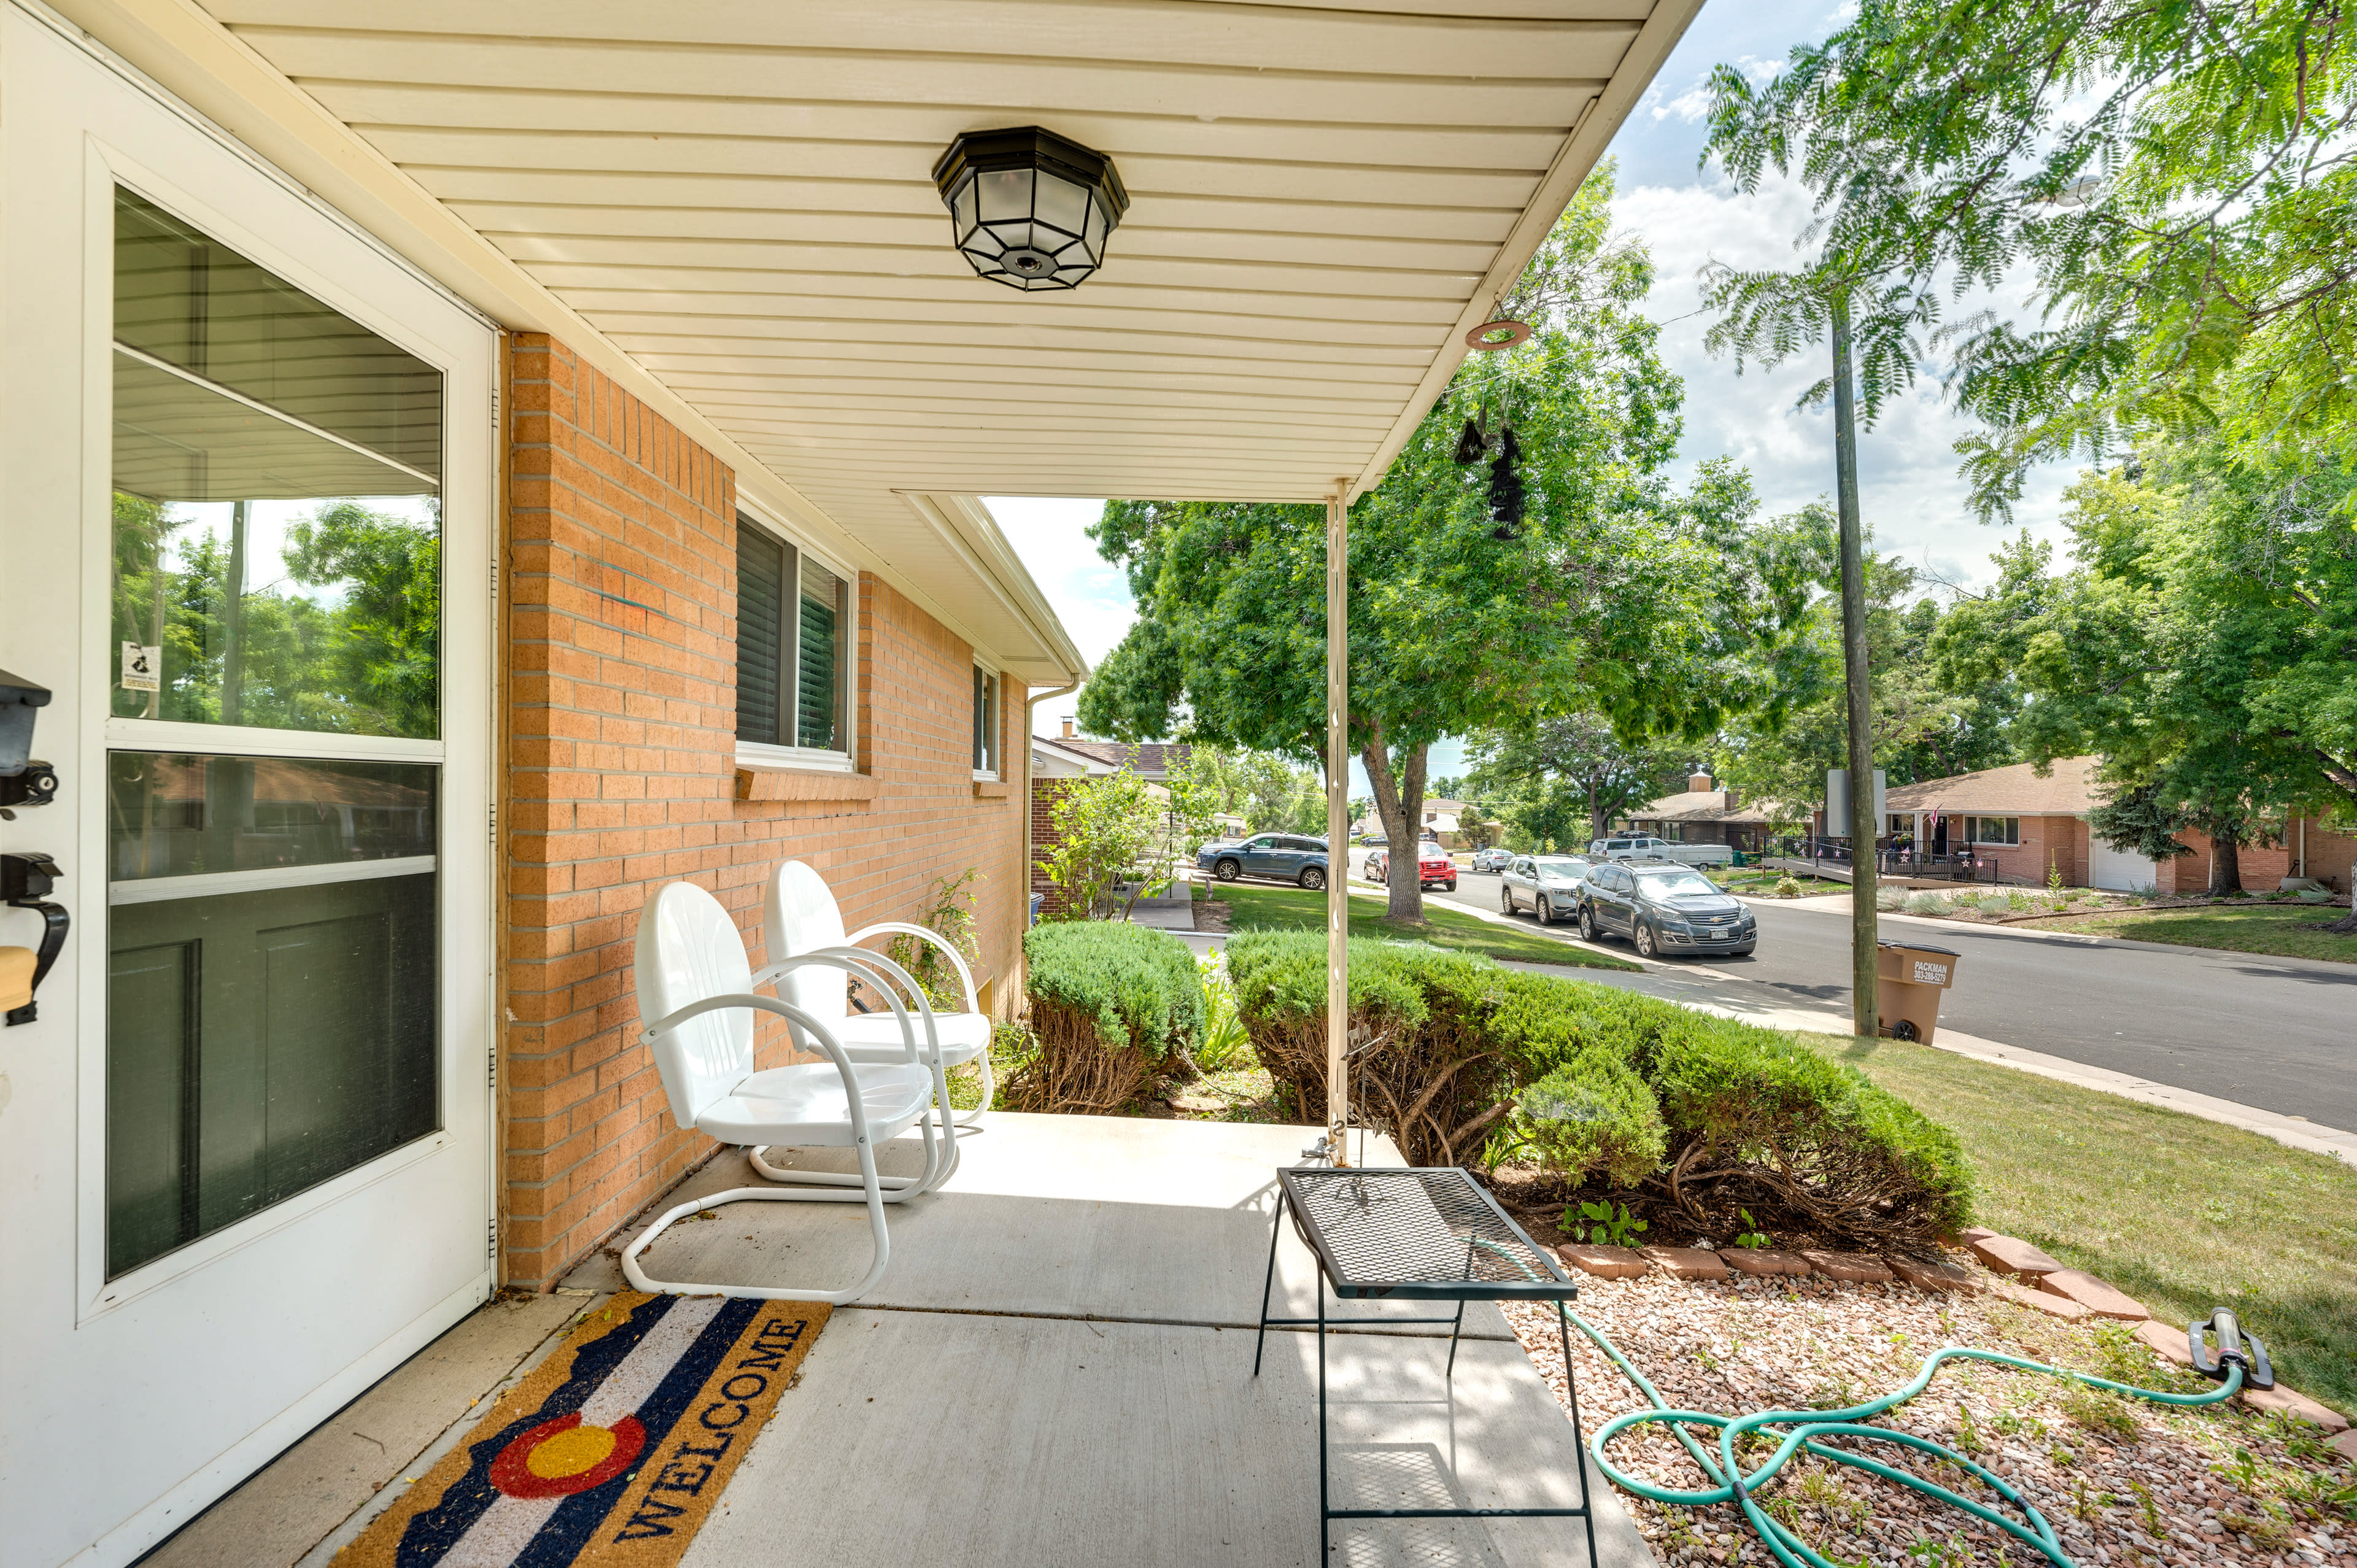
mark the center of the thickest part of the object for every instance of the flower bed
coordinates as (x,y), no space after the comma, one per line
(2126,1483)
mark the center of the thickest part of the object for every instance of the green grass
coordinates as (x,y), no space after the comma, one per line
(2275,929)
(1294,910)
(2184,1215)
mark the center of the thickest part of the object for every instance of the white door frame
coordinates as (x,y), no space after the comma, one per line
(127,1406)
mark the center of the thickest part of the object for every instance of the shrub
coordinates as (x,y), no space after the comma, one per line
(1110,1002)
(1926,902)
(1593,1116)
(1993,904)
(1758,1118)
(1788,888)
(1455,1055)
(1889,898)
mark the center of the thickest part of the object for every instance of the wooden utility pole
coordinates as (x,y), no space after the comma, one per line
(1864,826)
(1337,819)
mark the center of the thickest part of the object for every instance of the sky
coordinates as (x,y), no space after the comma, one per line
(1910,496)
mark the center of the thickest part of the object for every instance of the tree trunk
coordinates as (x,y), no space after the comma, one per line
(1865,826)
(1400,803)
(1596,826)
(2226,864)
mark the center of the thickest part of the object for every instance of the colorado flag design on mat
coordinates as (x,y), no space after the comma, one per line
(613,1450)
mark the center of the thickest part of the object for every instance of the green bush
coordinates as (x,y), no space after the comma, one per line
(1110,1002)
(1456,1058)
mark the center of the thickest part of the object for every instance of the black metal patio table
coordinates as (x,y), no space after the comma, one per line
(1416,1234)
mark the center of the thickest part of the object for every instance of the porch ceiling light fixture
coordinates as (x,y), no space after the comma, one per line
(1027,208)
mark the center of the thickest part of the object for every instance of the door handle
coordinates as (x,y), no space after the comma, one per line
(25,880)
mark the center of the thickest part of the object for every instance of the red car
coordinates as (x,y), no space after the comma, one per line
(1432,865)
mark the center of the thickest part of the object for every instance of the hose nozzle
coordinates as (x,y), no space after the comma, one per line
(2234,1349)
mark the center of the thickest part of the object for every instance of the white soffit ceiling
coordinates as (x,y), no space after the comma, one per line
(738,194)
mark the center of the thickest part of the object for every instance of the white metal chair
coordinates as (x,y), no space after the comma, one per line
(697,997)
(801,917)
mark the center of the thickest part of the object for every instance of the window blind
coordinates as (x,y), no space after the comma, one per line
(761,644)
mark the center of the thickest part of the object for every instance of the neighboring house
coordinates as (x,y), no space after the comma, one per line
(630,371)
(2030,826)
(1151,760)
(1443,820)
(1703,813)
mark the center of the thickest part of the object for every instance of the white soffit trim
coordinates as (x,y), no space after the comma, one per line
(966,526)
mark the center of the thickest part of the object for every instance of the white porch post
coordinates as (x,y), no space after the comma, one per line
(1338,814)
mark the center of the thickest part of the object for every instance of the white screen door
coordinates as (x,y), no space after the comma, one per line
(244,540)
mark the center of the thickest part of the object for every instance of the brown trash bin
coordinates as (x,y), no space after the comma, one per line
(1908,982)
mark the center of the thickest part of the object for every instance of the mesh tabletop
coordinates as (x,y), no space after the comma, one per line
(1430,1233)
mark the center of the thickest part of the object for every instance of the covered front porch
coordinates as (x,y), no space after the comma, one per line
(1058,1369)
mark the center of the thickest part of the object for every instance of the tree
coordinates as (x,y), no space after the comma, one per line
(1580,752)
(2180,178)
(1103,828)
(2205,642)
(1598,589)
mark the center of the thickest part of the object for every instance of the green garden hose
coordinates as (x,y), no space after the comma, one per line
(2236,1354)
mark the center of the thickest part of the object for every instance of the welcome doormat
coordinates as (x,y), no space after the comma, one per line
(613,1450)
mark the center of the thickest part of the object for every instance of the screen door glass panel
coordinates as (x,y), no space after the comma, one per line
(277,499)
(271,982)
(272,921)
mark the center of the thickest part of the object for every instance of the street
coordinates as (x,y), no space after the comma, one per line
(2277,1034)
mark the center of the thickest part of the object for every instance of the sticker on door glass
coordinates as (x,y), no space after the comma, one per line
(141,665)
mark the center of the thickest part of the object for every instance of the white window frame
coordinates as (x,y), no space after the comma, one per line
(1974,835)
(763,754)
(998,731)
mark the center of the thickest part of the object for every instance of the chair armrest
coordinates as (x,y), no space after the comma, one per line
(874,968)
(957,959)
(857,1102)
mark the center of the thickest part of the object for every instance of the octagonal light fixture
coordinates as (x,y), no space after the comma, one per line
(1029,208)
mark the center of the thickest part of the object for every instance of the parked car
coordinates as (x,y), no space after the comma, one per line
(1644,847)
(1493,859)
(1665,909)
(1284,858)
(1546,885)
(1432,864)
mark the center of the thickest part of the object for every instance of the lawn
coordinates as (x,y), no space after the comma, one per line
(2279,928)
(2184,1215)
(1293,909)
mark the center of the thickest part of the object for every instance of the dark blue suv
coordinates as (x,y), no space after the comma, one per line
(1285,857)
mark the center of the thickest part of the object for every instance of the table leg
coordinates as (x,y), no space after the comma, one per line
(1324,1498)
(1453,1332)
(1578,1438)
(1275,1228)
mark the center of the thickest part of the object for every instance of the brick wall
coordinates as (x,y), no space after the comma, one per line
(2058,842)
(1044,794)
(620,606)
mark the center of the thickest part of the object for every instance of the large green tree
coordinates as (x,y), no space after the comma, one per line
(1604,591)
(2180,179)
(2205,642)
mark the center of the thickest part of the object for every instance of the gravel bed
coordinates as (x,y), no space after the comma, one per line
(2125,1483)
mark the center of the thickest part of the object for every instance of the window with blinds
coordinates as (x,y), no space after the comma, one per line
(792,618)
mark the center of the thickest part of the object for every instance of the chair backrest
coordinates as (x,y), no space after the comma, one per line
(688,949)
(800,916)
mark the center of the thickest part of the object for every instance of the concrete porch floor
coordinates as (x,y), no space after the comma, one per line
(1057,1368)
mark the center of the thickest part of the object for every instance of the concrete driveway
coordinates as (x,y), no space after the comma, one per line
(2276,1033)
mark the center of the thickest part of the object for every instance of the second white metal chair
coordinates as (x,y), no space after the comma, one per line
(800,916)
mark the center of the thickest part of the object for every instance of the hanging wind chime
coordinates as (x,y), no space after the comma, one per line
(1473,443)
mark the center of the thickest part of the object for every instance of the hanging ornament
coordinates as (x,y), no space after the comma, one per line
(1505,486)
(1473,444)
(1492,336)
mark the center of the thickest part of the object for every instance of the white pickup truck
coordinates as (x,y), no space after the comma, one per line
(1643,846)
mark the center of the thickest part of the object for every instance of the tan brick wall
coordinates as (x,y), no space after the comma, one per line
(620,592)
(2060,841)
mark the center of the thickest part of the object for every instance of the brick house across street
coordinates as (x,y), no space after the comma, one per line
(2025,824)
(471,468)
(1703,813)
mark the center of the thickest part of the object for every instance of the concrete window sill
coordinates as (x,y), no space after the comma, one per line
(802,784)
(990,789)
